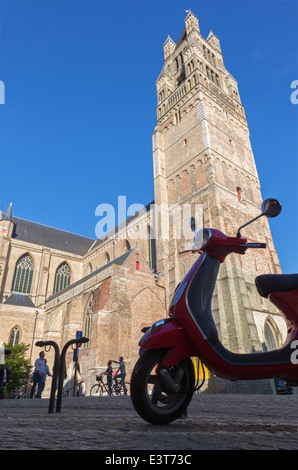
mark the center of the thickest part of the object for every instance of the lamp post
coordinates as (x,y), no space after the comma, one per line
(35,321)
(34,328)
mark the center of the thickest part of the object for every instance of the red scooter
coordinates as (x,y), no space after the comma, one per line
(163,379)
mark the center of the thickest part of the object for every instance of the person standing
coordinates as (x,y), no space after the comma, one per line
(4,378)
(46,372)
(122,374)
(38,375)
(109,374)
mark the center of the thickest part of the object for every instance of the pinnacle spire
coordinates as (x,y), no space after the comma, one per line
(8,214)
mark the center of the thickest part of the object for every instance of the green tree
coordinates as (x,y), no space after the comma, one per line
(19,367)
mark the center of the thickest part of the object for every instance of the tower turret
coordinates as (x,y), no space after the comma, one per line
(6,231)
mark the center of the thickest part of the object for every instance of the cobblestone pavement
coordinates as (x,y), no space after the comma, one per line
(110,423)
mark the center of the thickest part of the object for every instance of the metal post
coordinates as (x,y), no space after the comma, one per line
(35,321)
(75,359)
(79,334)
(55,371)
(58,370)
(32,342)
(62,369)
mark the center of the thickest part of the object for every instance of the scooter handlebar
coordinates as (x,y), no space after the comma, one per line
(242,245)
(253,245)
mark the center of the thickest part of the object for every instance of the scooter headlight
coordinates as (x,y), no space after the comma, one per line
(202,237)
(156,325)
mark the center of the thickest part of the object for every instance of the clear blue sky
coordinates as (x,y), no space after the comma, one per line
(80,102)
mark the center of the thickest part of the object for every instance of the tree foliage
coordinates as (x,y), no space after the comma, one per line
(20,367)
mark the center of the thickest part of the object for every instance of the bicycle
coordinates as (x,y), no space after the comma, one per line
(102,389)
(119,389)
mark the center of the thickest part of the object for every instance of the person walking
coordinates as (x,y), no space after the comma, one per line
(38,375)
(4,378)
(122,374)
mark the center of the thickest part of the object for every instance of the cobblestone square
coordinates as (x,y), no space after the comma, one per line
(214,422)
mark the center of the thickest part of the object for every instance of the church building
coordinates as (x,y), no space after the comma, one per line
(54,283)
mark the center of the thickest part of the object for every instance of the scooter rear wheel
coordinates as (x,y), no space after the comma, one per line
(152,399)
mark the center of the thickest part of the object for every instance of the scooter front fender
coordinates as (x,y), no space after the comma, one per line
(169,334)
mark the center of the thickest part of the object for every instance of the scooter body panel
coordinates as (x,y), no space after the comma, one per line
(171,336)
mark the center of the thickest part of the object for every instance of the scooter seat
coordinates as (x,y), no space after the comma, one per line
(268,283)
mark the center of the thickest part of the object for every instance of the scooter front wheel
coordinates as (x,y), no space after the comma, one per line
(153,397)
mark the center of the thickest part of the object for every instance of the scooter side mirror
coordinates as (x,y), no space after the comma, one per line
(193,224)
(271,207)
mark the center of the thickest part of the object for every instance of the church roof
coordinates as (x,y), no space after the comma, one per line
(119,261)
(50,237)
(19,300)
(39,234)
(181,39)
(99,241)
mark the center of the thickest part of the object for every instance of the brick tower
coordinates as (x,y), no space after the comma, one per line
(202,155)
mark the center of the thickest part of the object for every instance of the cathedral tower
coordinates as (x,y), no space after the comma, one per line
(202,155)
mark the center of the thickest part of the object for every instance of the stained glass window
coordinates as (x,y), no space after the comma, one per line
(23,275)
(14,337)
(63,277)
(88,321)
(269,337)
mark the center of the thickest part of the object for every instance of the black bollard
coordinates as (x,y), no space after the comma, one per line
(55,371)
(62,369)
(58,370)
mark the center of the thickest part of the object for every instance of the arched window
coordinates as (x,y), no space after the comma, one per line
(239,194)
(88,321)
(62,278)
(108,259)
(269,337)
(151,248)
(89,268)
(23,275)
(14,337)
(127,244)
